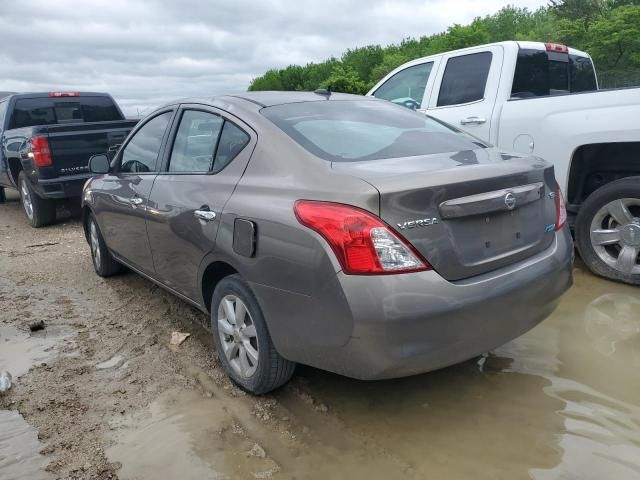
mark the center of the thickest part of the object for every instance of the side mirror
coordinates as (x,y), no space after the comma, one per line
(99,164)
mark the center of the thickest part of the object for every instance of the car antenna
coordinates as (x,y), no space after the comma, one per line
(323,91)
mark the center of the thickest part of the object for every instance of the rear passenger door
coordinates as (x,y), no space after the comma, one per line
(466,88)
(206,155)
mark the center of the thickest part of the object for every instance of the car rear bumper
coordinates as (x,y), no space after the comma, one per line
(64,187)
(402,325)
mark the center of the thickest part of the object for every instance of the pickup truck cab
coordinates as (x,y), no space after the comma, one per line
(543,99)
(46,140)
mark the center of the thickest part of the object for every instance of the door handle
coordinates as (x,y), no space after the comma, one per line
(473,121)
(206,215)
(135,201)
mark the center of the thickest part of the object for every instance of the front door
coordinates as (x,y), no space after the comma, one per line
(124,193)
(204,163)
(465,90)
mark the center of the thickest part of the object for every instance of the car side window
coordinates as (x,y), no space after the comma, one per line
(465,79)
(195,143)
(406,87)
(140,155)
(232,141)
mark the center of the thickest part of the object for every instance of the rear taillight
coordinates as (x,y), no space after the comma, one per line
(40,152)
(561,209)
(363,244)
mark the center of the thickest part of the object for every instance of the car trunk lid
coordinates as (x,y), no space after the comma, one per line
(469,212)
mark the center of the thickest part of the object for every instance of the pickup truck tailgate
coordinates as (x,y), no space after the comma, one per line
(72,145)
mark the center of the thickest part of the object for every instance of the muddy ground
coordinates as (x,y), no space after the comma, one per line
(101,394)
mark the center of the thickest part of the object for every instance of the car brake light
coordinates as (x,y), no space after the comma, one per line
(363,243)
(556,47)
(561,209)
(64,94)
(40,152)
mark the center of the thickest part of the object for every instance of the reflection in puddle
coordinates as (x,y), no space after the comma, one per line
(601,433)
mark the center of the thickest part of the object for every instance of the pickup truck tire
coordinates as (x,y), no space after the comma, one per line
(3,196)
(242,339)
(608,231)
(39,211)
(103,262)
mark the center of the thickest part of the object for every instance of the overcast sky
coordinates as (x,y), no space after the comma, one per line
(147,52)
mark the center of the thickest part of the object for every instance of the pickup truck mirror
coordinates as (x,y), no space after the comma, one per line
(99,164)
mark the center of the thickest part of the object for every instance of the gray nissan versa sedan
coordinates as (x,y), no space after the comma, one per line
(337,231)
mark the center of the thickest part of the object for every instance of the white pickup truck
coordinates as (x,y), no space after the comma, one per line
(543,99)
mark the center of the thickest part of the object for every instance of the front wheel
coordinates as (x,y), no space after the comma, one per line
(3,196)
(608,231)
(39,211)
(242,340)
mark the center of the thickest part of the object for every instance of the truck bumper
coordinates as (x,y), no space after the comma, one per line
(66,187)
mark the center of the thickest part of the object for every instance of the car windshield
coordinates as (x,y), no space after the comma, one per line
(342,131)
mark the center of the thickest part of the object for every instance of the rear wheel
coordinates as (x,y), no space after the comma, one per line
(103,262)
(608,231)
(242,340)
(3,196)
(39,211)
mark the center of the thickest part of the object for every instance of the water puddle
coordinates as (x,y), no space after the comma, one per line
(19,445)
(20,351)
(187,436)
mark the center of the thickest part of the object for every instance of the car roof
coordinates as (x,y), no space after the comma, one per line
(270,98)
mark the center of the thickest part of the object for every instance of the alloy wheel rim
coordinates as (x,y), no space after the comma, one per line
(95,244)
(615,235)
(238,336)
(26,200)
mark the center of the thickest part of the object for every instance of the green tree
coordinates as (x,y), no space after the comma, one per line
(345,79)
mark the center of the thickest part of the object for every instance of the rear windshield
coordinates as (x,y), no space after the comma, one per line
(29,112)
(540,74)
(343,131)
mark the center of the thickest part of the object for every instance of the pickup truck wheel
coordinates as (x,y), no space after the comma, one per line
(103,262)
(39,211)
(242,340)
(3,196)
(608,231)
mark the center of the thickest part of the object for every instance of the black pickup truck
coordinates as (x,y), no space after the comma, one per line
(46,140)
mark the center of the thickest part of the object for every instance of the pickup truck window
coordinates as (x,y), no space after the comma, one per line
(30,112)
(406,87)
(140,155)
(540,74)
(465,79)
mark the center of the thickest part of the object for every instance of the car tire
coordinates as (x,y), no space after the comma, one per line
(39,211)
(245,349)
(3,196)
(608,231)
(103,262)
